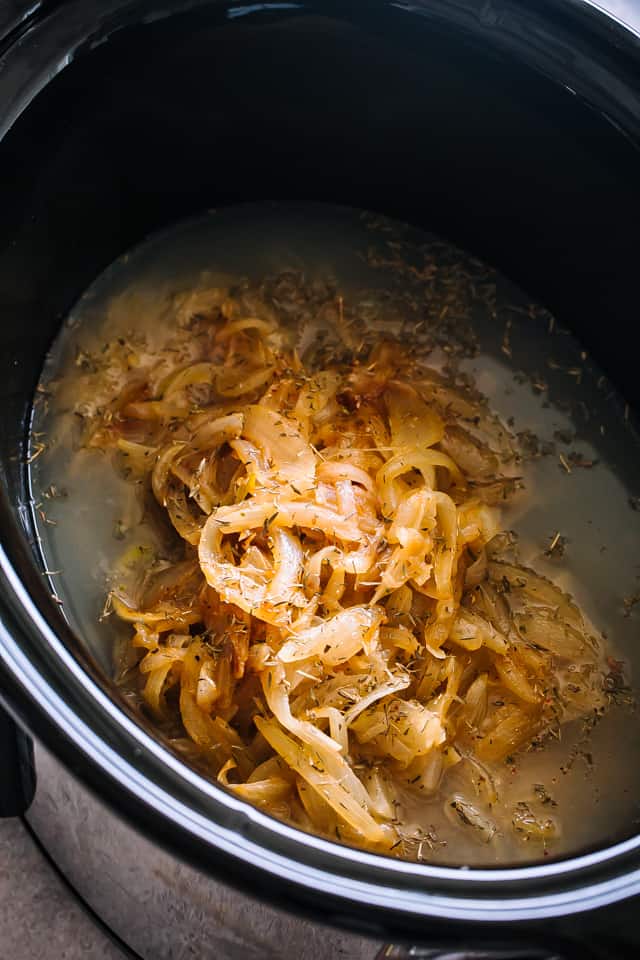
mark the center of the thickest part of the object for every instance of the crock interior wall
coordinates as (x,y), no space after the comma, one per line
(182,115)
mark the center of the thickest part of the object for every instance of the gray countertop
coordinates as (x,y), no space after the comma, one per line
(39,916)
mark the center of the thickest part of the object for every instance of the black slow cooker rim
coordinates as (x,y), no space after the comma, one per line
(128,768)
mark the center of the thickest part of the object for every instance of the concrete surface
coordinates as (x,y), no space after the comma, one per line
(39,918)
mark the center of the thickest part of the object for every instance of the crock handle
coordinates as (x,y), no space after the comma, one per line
(391,952)
(17,780)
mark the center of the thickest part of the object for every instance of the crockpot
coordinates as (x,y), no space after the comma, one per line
(511,128)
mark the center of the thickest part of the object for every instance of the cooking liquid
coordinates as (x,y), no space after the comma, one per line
(574,519)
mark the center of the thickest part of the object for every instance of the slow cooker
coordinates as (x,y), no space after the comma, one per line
(510,127)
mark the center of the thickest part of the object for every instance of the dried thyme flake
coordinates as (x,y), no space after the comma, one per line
(557,546)
(630,602)
(36,451)
(578,460)
(53,492)
(543,796)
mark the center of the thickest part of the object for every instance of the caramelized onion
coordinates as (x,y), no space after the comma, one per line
(338,622)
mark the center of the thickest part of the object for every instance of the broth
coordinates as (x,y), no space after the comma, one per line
(575,519)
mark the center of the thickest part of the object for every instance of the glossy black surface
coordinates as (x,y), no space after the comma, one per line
(13,15)
(18,781)
(455,116)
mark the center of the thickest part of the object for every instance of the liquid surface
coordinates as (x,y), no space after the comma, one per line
(575,519)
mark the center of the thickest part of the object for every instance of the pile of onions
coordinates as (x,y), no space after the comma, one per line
(334,626)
